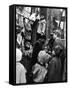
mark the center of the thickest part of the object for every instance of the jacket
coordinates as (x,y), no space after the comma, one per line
(54,70)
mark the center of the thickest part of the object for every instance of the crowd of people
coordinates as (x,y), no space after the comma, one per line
(39,60)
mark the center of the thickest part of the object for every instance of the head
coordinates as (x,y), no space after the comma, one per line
(43,57)
(57,34)
(18,55)
(57,50)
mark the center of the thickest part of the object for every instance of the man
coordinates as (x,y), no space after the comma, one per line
(40,68)
(20,69)
(55,40)
(57,37)
(58,41)
(54,68)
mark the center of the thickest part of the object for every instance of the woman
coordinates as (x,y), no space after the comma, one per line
(20,69)
(40,68)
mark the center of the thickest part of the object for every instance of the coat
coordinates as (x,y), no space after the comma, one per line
(54,70)
(39,73)
(20,73)
(20,69)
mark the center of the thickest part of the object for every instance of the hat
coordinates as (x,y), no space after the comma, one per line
(18,54)
(43,57)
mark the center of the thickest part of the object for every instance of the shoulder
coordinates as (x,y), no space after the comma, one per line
(20,67)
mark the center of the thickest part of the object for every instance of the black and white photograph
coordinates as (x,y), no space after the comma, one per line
(41,44)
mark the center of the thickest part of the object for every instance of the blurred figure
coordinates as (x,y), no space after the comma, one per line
(40,68)
(55,39)
(38,46)
(26,59)
(20,69)
(54,68)
(58,41)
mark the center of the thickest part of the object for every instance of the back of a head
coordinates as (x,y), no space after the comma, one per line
(43,57)
(58,33)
